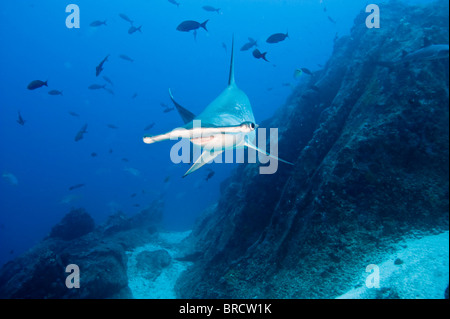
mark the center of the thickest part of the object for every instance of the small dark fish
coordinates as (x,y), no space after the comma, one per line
(269,89)
(99,68)
(75,186)
(126,57)
(109,91)
(195,35)
(224,46)
(97,23)
(277,37)
(211,9)
(331,20)
(74,114)
(250,44)
(169,109)
(110,151)
(210,175)
(134,96)
(167,179)
(80,133)
(133,195)
(257,54)
(286,84)
(163,104)
(150,126)
(174,2)
(11,252)
(108,80)
(320,65)
(324,9)
(112,126)
(133,29)
(125,160)
(189,25)
(96,87)
(20,120)
(55,92)
(36,84)
(307,71)
(136,205)
(93,154)
(123,16)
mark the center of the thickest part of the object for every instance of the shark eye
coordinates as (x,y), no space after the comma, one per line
(252,126)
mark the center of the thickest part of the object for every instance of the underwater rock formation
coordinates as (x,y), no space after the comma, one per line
(370,146)
(75,224)
(100,254)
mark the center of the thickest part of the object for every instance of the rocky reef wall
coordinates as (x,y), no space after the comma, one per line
(370,144)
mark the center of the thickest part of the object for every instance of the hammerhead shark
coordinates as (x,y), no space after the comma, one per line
(226,123)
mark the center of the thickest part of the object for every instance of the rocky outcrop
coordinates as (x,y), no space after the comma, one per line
(99,252)
(75,224)
(370,146)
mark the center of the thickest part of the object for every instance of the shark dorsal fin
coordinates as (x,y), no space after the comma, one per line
(231,76)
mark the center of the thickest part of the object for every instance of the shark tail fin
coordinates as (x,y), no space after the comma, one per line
(251,145)
(206,157)
(186,115)
(231,75)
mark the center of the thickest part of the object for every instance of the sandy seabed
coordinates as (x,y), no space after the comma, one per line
(163,287)
(419,269)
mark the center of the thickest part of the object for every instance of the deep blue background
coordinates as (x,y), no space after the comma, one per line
(43,155)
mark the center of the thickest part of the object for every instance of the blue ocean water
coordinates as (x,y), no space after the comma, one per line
(40,160)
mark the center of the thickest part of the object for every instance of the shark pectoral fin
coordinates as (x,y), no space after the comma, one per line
(186,115)
(250,145)
(206,157)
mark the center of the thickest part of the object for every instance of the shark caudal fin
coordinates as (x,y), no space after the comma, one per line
(186,115)
(206,157)
(251,145)
(231,75)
